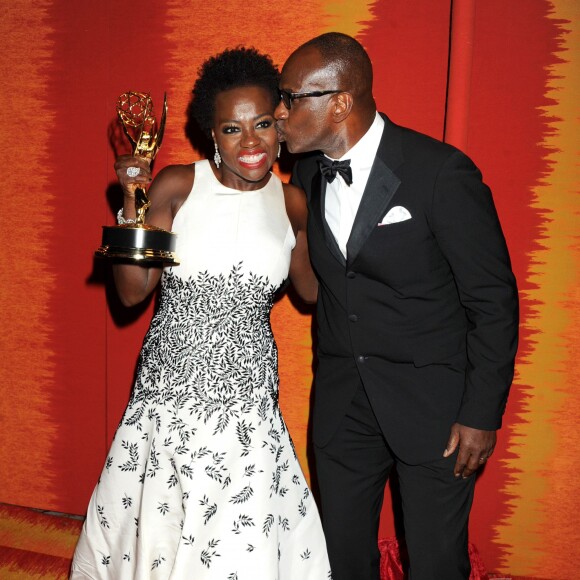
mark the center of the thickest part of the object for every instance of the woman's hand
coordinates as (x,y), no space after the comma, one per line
(131,182)
(134,282)
(127,167)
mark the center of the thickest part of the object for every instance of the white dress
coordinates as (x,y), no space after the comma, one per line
(202,481)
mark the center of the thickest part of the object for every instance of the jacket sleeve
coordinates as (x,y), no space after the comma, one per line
(297,178)
(467,229)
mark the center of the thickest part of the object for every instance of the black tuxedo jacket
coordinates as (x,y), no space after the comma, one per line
(422,312)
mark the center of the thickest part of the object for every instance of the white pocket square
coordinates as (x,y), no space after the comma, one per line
(395,215)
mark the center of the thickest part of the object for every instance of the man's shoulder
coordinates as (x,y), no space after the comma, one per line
(411,138)
(418,149)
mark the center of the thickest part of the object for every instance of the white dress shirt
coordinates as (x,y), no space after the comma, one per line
(342,201)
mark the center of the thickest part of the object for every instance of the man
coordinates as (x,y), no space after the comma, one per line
(417,315)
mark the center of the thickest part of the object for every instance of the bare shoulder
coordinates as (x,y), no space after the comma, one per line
(296,208)
(176,177)
(172,185)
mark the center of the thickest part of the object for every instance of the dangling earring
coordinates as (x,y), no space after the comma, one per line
(217,157)
(279,149)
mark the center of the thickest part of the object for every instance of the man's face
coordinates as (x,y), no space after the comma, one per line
(307,125)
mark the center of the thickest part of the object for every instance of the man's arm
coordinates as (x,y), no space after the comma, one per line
(468,232)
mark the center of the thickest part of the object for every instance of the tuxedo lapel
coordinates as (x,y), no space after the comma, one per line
(317,201)
(379,191)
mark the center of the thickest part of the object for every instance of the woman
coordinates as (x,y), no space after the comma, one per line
(202,480)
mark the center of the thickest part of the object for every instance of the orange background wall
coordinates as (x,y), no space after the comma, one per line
(68,349)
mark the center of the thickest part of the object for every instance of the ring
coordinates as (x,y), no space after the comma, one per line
(133,171)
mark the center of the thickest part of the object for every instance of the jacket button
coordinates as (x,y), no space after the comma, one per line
(360,359)
(350,274)
(353,317)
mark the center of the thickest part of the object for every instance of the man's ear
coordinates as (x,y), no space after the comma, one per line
(342,103)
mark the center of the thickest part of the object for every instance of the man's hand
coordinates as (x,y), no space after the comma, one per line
(475,448)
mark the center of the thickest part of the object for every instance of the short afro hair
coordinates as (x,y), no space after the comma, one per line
(230,69)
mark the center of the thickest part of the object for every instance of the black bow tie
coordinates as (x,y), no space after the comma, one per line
(330,168)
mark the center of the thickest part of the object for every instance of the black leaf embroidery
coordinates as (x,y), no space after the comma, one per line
(268,523)
(133,462)
(243,496)
(154,465)
(243,521)
(189,540)
(163,508)
(209,552)
(102,519)
(211,509)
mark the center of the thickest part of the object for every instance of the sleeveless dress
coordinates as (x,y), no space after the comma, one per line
(202,481)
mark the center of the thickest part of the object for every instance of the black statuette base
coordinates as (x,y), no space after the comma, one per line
(142,243)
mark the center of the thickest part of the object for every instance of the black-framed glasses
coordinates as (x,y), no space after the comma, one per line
(287,97)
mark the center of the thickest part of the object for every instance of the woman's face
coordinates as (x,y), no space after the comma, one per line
(245,132)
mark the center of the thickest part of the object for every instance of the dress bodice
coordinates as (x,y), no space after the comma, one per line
(218,228)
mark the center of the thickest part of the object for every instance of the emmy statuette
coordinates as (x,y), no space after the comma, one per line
(139,242)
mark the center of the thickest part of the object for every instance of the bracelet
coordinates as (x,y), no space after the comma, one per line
(121,220)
